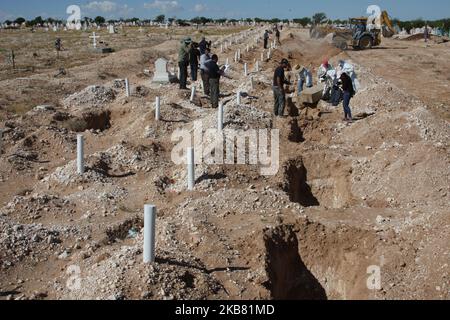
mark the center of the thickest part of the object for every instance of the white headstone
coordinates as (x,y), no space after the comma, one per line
(161,74)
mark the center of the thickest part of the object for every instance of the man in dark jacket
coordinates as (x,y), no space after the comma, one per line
(194,55)
(214,74)
(203,45)
(349,92)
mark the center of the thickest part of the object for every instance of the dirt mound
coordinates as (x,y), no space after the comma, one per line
(92,96)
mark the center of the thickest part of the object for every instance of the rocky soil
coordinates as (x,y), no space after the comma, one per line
(346,197)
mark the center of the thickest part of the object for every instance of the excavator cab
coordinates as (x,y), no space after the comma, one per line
(363,38)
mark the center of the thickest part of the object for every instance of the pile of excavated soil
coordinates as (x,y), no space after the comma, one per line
(92,96)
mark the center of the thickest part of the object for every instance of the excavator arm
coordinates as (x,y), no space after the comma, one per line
(388,28)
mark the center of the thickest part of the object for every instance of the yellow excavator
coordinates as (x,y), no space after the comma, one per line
(358,36)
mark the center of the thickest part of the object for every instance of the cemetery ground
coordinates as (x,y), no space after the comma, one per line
(346,200)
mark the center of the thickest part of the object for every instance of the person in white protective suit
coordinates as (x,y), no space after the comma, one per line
(349,69)
(304,77)
(323,69)
(330,81)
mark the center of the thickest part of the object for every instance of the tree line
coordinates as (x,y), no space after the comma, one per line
(318,18)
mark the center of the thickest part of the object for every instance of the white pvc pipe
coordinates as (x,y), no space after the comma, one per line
(192,94)
(245,69)
(149,233)
(220,117)
(238,97)
(158,109)
(127,87)
(239,54)
(80,154)
(257,66)
(191,168)
(236,57)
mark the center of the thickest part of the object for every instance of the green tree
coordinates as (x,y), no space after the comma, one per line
(99,20)
(200,20)
(36,21)
(182,23)
(303,21)
(160,19)
(319,18)
(19,20)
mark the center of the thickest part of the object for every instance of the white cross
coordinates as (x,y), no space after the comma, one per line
(94,36)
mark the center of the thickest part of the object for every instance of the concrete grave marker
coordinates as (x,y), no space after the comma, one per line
(94,37)
(161,73)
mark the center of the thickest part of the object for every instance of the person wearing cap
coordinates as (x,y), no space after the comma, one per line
(183,62)
(279,93)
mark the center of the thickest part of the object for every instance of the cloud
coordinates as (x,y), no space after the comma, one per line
(199,7)
(107,7)
(101,6)
(164,6)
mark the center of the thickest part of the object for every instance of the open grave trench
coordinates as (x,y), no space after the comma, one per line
(308,260)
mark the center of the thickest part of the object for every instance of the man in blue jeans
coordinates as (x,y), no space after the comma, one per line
(279,80)
(349,92)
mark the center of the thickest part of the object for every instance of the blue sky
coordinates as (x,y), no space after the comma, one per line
(403,9)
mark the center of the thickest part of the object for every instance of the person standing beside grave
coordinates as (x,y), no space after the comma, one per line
(279,93)
(214,74)
(194,55)
(204,58)
(203,45)
(183,62)
(349,92)
(266,39)
(58,44)
(277,35)
(426,33)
